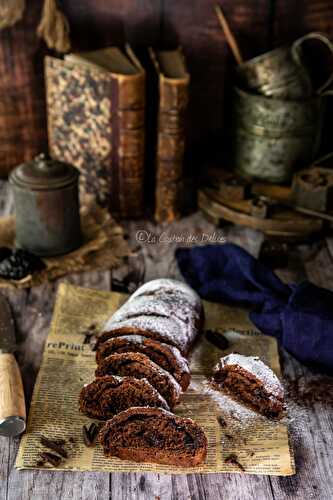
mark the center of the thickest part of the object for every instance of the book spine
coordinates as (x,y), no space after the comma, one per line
(170,148)
(128,143)
(96,123)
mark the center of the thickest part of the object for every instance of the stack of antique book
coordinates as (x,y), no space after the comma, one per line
(97,121)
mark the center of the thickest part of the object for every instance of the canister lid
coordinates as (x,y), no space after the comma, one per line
(44,173)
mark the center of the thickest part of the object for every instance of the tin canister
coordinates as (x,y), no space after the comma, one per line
(281,73)
(47,206)
(273,136)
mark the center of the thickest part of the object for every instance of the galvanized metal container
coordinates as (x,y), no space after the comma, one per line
(272,136)
(47,206)
(281,73)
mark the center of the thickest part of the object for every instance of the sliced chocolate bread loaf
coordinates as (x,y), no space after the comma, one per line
(154,435)
(251,382)
(106,396)
(166,310)
(164,355)
(166,330)
(140,366)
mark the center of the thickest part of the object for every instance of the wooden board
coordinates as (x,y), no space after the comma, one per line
(283,223)
(308,392)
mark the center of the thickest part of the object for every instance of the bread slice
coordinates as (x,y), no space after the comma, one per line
(140,366)
(106,396)
(164,355)
(154,435)
(252,382)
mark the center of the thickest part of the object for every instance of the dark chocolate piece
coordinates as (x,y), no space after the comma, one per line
(54,445)
(217,339)
(51,458)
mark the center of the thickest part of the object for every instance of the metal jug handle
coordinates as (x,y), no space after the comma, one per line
(296,53)
(321,159)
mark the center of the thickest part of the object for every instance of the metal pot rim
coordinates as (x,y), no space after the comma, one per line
(262,57)
(255,96)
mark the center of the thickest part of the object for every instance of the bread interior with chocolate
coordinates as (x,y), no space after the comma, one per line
(154,435)
(106,396)
(251,382)
(140,366)
(166,356)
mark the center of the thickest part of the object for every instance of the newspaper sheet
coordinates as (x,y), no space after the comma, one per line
(261,446)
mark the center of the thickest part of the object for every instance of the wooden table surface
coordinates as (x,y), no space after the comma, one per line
(310,395)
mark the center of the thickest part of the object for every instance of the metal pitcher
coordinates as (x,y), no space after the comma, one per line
(280,73)
(273,136)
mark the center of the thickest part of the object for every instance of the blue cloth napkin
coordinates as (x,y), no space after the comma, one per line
(299,316)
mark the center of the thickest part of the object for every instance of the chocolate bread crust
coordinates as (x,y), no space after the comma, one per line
(165,330)
(251,382)
(107,396)
(154,435)
(167,357)
(140,366)
(165,310)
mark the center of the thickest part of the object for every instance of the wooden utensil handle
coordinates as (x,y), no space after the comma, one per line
(12,402)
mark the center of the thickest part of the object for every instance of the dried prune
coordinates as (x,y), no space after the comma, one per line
(19,264)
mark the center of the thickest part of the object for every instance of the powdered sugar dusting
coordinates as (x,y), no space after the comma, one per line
(165,306)
(160,285)
(257,368)
(167,330)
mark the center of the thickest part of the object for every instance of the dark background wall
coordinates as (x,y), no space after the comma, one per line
(258,24)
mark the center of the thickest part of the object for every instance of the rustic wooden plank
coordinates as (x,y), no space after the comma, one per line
(293,19)
(311,435)
(310,406)
(192,486)
(157,245)
(33,312)
(143,28)
(194,25)
(95,23)
(311,426)
(22,102)
(4,465)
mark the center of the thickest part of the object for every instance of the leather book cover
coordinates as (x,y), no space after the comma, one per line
(96,123)
(173,83)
